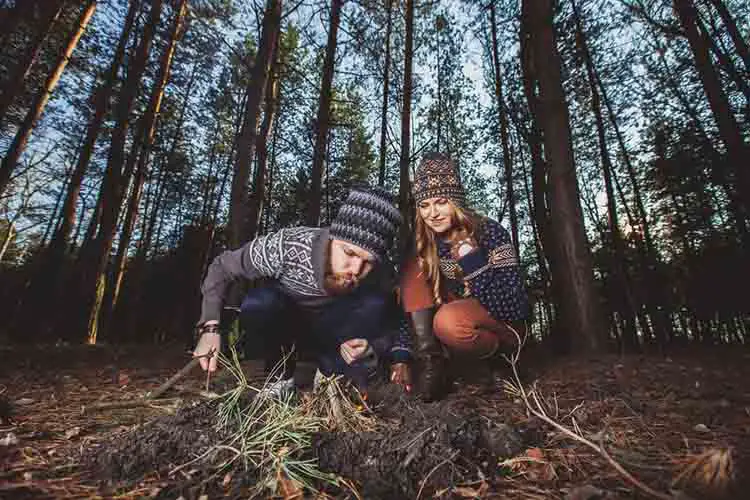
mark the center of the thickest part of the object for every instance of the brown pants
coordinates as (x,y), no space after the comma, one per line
(463,325)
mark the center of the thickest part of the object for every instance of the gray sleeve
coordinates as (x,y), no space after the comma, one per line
(261,257)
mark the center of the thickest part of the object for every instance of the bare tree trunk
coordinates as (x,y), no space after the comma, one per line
(24,131)
(507,161)
(14,84)
(404,192)
(386,85)
(257,199)
(574,270)
(731,25)
(324,112)
(238,204)
(650,261)
(622,285)
(113,183)
(101,98)
(7,239)
(729,129)
(140,176)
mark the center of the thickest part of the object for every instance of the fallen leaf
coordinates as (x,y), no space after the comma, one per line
(23,401)
(585,492)
(27,476)
(123,378)
(466,492)
(10,439)
(73,432)
(701,428)
(227,479)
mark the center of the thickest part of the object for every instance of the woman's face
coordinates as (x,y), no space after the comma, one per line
(438,214)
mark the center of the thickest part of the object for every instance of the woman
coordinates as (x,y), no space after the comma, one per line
(463,290)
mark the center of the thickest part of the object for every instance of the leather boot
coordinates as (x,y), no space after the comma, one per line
(430,373)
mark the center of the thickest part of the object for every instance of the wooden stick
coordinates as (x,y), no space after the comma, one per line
(133,403)
(151,397)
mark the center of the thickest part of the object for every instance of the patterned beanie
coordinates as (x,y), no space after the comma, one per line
(369,219)
(437,176)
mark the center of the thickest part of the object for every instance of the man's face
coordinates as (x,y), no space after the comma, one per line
(347,266)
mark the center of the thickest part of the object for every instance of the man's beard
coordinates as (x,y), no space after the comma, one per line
(340,283)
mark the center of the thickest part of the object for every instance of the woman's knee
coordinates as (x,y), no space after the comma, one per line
(461,332)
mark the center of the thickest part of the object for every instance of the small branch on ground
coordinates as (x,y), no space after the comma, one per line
(153,397)
(534,405)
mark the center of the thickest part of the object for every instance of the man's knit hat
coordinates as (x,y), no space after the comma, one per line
(369,219)
(437,177)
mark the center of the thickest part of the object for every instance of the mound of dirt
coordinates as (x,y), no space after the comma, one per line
(157,446)
(425,446)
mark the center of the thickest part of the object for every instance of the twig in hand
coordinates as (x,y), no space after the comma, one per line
(177,376)
(537,409)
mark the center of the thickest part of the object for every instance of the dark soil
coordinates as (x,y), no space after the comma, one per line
(657,413)
(423,447)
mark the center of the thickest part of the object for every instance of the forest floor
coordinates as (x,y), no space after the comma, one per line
(656,416)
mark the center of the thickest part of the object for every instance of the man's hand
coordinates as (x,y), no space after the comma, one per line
(354,350)
(210,341)
(401,375)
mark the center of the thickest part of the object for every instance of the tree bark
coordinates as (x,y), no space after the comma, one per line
(507,161)
(238,203)
(573,271)
(113,182)
(7,239)
(152,115)
(32,116)
(14,85)
(324,113)
(386,86)
(101,99)
(734,33)
(404,192)
(622,285)
(729,129)
(269,116)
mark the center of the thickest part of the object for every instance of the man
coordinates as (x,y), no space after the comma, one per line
(330,288)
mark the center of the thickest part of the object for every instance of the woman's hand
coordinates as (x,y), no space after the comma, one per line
(462,243)
(401,375)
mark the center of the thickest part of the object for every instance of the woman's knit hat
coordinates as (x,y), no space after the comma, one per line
(369,219)
(437,176)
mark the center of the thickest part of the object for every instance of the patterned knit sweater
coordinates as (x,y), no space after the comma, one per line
(296,258)
(490,273)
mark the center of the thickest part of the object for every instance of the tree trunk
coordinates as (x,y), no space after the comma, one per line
(14,85)
(573,271)
(650,261)
(7,239)
(622,286)
(152,115)
(404,192)
(734,33)
(112,184)
(24,131)
(729,129)
(507,162)
(324,112)
(238,204)
(386,85)
(101,99)
(259,181)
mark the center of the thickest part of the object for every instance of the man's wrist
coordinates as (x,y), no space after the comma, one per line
(210,327)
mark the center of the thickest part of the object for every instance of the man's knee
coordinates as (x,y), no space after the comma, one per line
(261,300)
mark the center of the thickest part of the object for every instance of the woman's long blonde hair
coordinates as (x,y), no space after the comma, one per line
(427,250)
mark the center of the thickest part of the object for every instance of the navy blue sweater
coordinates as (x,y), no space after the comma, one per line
(490,273)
